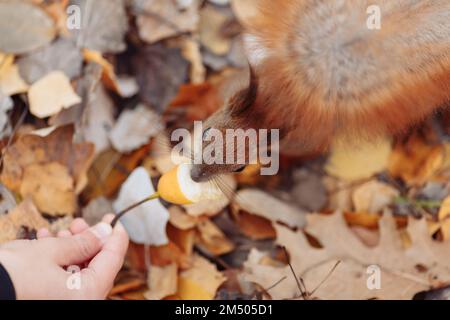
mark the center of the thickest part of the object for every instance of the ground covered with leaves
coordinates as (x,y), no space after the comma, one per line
(85,117)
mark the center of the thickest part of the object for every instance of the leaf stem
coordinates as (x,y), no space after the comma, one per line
(137,204)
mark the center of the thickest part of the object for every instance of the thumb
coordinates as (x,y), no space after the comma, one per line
(83,246)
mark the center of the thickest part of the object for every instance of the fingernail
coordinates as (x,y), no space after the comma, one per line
(102,230)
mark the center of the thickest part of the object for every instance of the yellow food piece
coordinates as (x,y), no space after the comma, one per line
(176,186)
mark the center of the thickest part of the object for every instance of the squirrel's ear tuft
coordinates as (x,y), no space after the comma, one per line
(245,98)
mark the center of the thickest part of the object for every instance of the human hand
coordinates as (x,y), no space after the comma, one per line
(36,267)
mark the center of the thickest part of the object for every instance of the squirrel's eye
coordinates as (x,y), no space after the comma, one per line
(240,169)
(205,133)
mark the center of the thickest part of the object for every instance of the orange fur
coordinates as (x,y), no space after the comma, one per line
(398,75)
(321,72)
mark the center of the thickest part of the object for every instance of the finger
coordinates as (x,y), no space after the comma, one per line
(78,225)
(64,234)
(107,263)
(83,246)
(43,233)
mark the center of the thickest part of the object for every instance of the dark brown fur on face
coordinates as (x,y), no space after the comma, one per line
(321,72)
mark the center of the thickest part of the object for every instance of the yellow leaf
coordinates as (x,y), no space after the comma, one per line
(358,162)
(10,80)
(444,218)
(51,94)
(200,282)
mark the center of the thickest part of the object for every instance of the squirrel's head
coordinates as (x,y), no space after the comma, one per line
(235,114)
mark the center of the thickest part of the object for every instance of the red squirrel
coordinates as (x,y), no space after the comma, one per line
(318,70)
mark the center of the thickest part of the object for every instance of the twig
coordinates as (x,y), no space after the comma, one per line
(137,204)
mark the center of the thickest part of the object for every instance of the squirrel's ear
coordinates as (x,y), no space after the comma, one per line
(245,98)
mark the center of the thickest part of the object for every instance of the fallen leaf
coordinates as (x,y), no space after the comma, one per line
(180,219)
(373,196)
(162,282)
(140,256)
(358,162)
(213,239)
(24,215)
(415,161)
(191,52)
(51,94)
(145,224)
(11,82)
(104,24)
(260,203)
(97,119)
(32,158)
(62,55)
(400,276)
(184,239)
(159,72)
(197,101)
(24,27)
(444,218)
(110,170)
(51,187)
(109,75)
(176,20)
(134,128)
(212,22)
(200,282)
(58,11)
(253,226)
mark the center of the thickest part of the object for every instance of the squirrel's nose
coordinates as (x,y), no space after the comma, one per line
(197,174)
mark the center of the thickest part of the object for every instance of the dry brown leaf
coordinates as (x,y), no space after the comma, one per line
(51,187)
(109,170)
(213,239)
(177,20)
(162,282)
(51,94)
(212,22)
(184,239)
(31,153)
(401,277)
(362,219)
(416,161)
(200,282)
(265,205)
(198,101)
(161,256)
(24,215)
(254,227)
